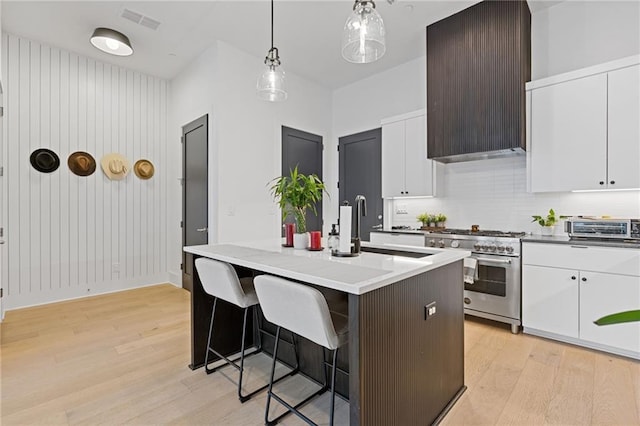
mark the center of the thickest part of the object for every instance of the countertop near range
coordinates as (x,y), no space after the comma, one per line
(401,231)
(563,239)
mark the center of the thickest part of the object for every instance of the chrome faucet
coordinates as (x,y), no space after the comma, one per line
(361,210)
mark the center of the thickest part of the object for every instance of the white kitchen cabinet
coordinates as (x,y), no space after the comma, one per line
(406,171)
(584,128)
(397,238)
(605,294)
(569,134)
(565,288)
(624,128)
(550,300)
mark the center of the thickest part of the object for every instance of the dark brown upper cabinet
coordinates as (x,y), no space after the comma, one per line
(478,61)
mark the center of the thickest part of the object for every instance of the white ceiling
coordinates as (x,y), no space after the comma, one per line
(307,32)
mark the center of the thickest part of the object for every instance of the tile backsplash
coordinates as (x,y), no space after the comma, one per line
(493,194)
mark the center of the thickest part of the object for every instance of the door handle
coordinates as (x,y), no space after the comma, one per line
(483,259)
(202,229)
(377,226)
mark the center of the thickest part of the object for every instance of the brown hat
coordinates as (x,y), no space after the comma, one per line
(44,160)
(115,166)
(81,163)
(144,169)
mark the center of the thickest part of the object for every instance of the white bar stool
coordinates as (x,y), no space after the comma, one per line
(302,310)
(221,281)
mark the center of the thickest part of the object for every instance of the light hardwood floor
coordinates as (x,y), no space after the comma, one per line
(122,358)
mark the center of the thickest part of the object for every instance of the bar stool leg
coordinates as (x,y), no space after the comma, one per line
(206,357)
(333,386)
(241,397)
(273,370)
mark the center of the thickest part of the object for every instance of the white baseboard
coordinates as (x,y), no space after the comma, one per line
(11,302)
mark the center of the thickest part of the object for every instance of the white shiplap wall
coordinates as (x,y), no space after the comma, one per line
(69,236)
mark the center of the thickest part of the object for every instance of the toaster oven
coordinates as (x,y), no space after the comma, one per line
(603,228)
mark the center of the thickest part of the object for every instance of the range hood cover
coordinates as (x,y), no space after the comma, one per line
(478,62)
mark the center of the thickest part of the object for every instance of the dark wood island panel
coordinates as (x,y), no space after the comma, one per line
(407,369)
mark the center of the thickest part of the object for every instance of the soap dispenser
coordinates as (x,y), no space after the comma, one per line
(333,241)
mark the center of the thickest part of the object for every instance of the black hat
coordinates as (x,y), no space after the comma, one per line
(44,160)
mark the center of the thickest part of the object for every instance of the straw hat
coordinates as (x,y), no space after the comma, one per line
(144,169)
(115,166)
(44,160)
(81,163)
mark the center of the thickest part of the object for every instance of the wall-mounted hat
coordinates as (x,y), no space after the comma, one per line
(44,160)
(144,169)
(81,163)
(115,166)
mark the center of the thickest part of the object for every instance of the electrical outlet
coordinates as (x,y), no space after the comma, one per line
(115,268)
(429,310)
(401,209)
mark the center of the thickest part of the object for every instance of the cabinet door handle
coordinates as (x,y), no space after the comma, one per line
(601,182)
(584,278)
(573,277)
(613,182)
(579,246)
(202,229)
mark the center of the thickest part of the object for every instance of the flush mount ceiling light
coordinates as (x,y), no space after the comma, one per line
(270,84)
(111,41)
(363,38)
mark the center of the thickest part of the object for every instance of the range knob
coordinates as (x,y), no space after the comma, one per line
(476,246)
(441,243)
(455,243)
(485,247)
(509,249)
(493,247)
(432,243)
(501,249)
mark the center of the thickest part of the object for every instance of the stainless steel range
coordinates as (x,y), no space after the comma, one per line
(495,293)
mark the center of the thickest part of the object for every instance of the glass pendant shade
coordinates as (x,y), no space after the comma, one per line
(271,84)
(111,41)
(363,37)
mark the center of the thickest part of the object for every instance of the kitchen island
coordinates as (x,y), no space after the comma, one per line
(405,366)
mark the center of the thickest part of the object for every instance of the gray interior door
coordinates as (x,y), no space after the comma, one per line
(360,164)
(194,191)
(304,150)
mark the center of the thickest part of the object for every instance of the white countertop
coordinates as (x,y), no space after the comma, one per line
(356,275)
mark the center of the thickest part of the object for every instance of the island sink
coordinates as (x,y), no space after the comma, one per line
(394,252)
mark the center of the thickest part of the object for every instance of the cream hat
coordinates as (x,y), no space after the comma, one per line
(115,166)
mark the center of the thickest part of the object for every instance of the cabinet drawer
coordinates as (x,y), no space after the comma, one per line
(390,238)
(610,260)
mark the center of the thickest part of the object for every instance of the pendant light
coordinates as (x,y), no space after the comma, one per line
(271,82)
(363,34)
(111,41)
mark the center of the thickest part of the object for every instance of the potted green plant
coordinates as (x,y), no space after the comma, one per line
(440,219)
(547,223)
(424,218)
(295,194)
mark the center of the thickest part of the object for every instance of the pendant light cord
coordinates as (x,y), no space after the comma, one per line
(272,24)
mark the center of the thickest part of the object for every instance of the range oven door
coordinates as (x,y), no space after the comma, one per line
(497,289)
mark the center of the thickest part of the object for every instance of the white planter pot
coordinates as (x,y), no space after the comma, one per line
(546,231)
(301,241)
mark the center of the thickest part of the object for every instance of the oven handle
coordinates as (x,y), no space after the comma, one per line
(484,259)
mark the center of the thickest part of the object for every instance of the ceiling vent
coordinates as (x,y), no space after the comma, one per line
(140,19)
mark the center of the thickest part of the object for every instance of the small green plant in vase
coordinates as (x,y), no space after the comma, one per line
(295,194)
(547,223)
(424,218)
(440,219)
